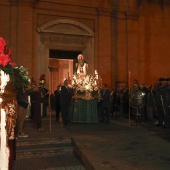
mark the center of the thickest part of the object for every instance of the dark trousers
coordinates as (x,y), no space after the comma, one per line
(65,113)
(160,113)
(32,110)
(105,113)
(44,110)
(57,111)
(167,115)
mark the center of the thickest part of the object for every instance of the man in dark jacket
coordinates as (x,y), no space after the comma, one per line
(65,98)
(44,99)
(105,104)
(159,92)
(22,99)
(36,97)
(57,102)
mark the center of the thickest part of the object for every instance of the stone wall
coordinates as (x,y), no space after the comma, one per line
(125,36)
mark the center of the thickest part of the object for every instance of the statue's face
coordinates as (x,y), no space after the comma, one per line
(80,57)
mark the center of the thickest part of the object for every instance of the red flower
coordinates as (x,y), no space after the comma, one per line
(4,59)
(2,44)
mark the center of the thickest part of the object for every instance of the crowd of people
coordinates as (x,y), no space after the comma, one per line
(154,106)
(151,103)
(142,103)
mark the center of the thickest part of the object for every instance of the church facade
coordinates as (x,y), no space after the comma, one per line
(122,39)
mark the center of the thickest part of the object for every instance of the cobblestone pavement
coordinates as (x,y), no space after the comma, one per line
(114,146)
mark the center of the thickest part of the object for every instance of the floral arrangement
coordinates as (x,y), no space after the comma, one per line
(18,79)
(85,88)
(18,74)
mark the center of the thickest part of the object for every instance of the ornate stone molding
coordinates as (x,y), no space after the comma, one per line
(67,27)
(59,39)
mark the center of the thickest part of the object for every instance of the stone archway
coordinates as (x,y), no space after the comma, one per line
(63,35)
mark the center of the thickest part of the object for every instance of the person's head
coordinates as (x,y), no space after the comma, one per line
(162,81)
(65,82)
(58,87)
(149,88)
(105,86)
(167,80)
(141,86)
(69,81)
(35,88)
(135,87)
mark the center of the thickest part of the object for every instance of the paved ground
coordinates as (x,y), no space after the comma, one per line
(114,146)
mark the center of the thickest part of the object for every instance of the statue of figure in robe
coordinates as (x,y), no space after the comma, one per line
(81,66)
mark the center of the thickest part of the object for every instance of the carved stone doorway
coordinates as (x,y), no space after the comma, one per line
(66,35)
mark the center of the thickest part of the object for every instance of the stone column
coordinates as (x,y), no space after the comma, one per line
(104,69)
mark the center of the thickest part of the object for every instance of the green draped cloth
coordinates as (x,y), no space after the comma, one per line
(84,111)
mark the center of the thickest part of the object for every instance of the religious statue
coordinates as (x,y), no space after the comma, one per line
(81,66)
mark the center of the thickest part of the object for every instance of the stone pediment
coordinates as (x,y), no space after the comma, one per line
(65,27)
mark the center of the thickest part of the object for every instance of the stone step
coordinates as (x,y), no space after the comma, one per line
(42,141)
(44,151)
(44,147)
(62,162)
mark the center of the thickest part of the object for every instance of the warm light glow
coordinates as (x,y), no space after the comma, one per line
(4,151)
(87,87)
(97,77)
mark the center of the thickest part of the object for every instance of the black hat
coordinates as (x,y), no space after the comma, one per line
(162,79)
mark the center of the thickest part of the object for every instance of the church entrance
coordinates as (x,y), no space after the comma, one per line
(58,44)
(61,66)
